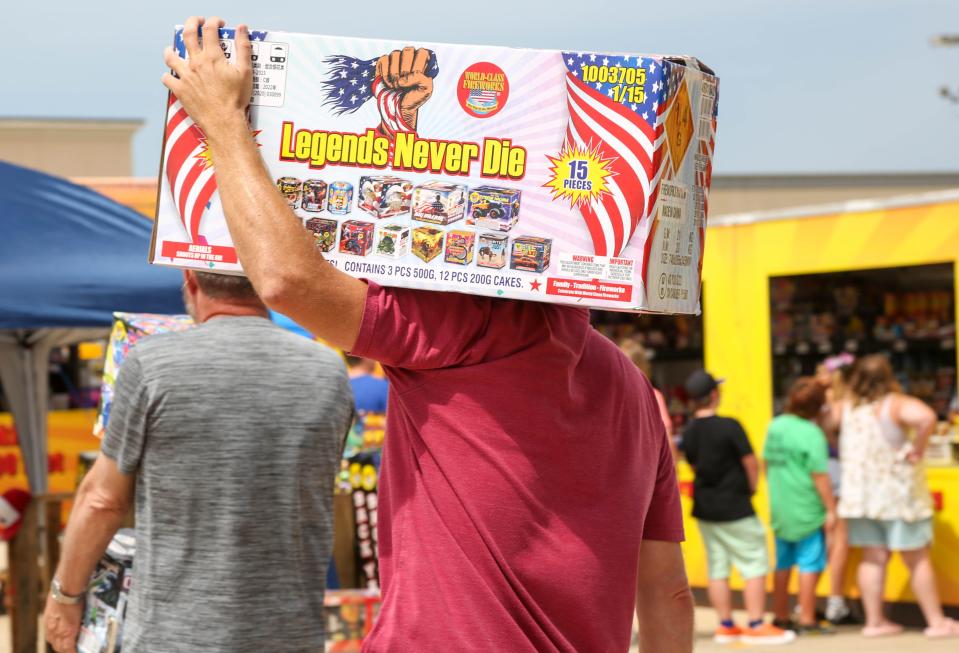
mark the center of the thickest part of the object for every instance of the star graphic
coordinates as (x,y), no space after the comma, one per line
(342,90)
(343,74)
(605,61)
(655,105)
(652,66)
(610,92)
(355,65)
(353,82)
(646,115)
(365,73)
(592,57)
(633,107)
(575,73)
(534,285)
(569,61)
(353,99)
(599,87)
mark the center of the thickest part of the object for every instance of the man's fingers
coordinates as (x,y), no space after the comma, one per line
(421,60)
(171,82)
(417,80)
(243,52)
(191,35)
(394,73)
(383,68)
(406,61)
(211,37)
(174,61)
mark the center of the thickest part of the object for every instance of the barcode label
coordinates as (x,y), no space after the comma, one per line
(699,202)
(706,106)
(701,162)
(705,128)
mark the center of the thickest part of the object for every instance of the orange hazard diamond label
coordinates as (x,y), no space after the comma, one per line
(679,126)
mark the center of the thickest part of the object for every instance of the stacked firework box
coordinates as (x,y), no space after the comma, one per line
(101,628)
(569,177)
(128,329)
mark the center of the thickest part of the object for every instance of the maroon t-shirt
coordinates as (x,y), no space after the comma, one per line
(525,459)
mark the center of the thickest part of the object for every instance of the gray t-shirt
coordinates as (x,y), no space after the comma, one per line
(234,430)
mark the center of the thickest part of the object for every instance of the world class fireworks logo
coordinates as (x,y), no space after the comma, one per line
(483,89)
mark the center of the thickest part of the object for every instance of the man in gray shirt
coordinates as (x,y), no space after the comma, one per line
(230,436)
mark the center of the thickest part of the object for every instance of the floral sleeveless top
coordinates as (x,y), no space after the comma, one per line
(877,481)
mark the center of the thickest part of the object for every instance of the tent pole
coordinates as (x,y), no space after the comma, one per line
(25,582)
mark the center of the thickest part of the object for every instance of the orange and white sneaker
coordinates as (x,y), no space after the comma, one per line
(727,634)
(767,634)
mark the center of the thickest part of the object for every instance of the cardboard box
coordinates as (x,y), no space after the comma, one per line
(493,208)
(530,253)
(608,155)
(492,251)
(393,240)
(459,247)
(314,195)
(427,243)
(104,610)
(438,202)
(356,238)
(384,197)
(324,232)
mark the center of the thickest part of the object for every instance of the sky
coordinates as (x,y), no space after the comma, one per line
(807,86)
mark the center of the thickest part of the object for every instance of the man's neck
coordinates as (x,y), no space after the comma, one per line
(705,412)
(214,309)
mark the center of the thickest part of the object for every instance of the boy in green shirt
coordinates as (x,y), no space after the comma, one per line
(801,501)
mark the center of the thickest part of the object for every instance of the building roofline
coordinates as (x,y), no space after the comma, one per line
(68,122)
(851,206)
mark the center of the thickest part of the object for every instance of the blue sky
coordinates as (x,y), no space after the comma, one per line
(806,85)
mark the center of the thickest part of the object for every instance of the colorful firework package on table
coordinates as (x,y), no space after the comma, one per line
(599,162)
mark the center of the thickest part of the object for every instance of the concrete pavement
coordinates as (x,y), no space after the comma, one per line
(847,639)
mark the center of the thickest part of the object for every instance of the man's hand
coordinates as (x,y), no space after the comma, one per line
(213,91)
(278,255)
(405,71)
(61,625)
(831,520)
(103,500)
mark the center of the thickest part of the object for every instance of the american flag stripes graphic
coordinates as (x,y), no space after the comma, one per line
(189,169)
(630,132)
(352,82)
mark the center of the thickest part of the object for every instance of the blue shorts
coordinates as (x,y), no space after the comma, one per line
(891,534)
(809,554)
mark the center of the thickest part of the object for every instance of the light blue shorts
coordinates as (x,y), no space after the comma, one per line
(892,534)
(809,554)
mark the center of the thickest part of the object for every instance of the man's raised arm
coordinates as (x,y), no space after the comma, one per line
(277,254)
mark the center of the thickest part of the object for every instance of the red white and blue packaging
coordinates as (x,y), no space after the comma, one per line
(605,157)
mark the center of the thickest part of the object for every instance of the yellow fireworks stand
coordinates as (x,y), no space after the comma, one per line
(743,252)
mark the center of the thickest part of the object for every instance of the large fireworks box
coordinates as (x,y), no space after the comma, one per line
(607,156)
(101,629)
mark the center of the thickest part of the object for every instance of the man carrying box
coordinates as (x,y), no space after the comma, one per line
(527,489)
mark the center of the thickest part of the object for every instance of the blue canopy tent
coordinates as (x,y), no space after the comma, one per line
(69,257)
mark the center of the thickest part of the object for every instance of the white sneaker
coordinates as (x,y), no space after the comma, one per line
(836,609)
